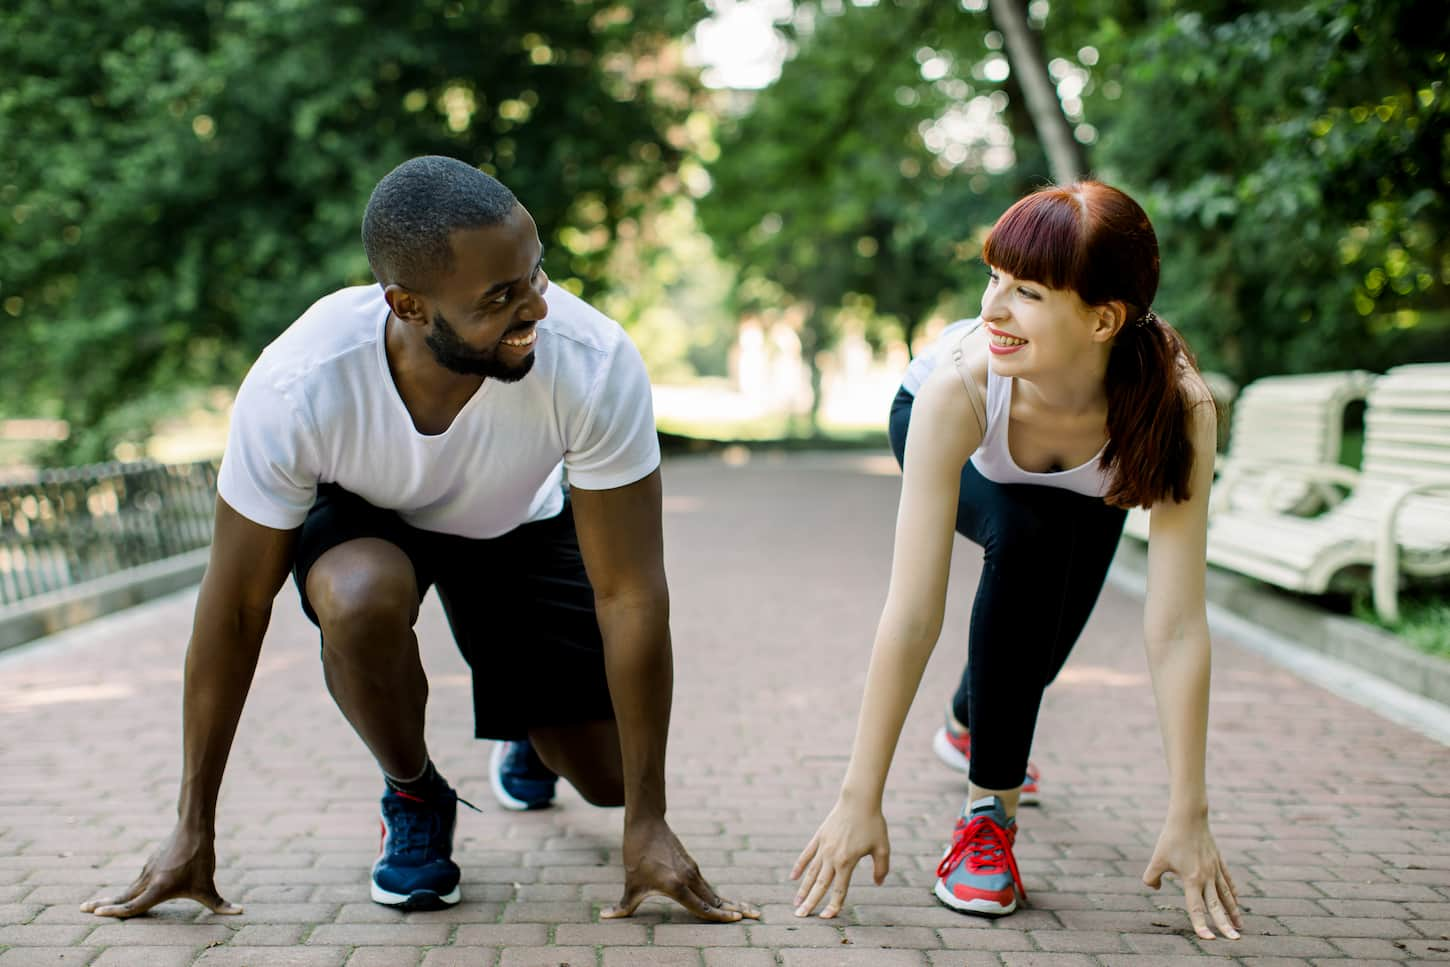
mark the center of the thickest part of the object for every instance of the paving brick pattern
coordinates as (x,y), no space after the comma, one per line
(1336,823)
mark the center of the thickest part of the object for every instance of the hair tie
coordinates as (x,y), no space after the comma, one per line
(1148,318)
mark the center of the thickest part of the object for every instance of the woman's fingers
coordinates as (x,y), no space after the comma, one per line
(1230,897)
(824,875)
(1219,910)
(807,854)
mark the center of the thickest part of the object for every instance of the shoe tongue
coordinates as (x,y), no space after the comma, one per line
(988,806)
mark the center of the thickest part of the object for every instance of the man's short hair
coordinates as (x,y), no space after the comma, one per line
(415,208)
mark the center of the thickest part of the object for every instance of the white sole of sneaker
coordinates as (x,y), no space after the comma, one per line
(417,900)
(984,908)
(495,768)
(954,760)
(947,752)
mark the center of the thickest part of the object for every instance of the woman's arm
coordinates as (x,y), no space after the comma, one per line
(1175,630)
(944,432)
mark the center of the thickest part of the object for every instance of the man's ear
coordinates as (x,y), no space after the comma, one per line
(407,305)
(1108,320)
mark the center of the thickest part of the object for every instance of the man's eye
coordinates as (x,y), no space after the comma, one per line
(499,300)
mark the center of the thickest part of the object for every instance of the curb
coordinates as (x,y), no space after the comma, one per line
(47,614)
(1357,661)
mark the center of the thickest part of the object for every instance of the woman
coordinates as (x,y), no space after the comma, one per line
(1031,430)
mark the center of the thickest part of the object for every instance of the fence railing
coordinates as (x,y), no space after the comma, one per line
(63,527)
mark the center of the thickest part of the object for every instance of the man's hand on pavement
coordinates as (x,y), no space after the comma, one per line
(183,867)
(656,864)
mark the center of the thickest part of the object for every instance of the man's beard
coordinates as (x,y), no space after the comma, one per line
(453,353)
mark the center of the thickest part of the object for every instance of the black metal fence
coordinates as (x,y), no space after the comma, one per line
(62,527)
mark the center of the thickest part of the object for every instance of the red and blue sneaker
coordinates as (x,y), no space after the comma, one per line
(955,749)
(415,869)
(519,778)
(979,874)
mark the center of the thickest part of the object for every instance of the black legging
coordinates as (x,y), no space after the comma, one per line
(1047,553)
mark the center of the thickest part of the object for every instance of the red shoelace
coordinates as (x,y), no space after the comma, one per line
(986,848)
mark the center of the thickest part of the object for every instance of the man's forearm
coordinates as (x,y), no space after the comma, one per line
(640,667)
(220,662)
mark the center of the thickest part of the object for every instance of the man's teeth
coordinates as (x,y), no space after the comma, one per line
(523,340)
(1007,340)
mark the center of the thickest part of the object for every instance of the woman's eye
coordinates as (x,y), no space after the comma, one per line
(1028,293)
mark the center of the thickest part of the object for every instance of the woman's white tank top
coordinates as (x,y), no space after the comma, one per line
(994,460)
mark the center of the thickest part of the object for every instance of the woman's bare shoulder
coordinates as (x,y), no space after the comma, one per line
(973,346)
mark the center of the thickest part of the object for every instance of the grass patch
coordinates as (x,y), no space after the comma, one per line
(1424,620)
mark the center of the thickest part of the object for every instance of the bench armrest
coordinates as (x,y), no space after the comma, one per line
(1387,548)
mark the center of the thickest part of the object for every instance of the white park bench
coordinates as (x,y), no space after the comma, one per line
(1395,520)
(1280,423)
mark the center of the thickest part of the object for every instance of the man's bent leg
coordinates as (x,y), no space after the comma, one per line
(364,593)
(587,754)
(366,599)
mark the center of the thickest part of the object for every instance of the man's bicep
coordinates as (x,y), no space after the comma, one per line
(621,536)
(249,562)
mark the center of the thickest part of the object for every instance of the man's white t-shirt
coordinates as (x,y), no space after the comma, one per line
(320,406)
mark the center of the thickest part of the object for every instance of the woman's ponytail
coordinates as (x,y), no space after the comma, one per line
(1149,456)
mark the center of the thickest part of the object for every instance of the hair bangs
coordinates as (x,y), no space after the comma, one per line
(1040,239)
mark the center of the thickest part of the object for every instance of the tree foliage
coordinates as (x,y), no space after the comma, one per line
(182,179)
(1293,156)
(1300,180)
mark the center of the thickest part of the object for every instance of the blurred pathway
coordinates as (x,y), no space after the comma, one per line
(1336,823)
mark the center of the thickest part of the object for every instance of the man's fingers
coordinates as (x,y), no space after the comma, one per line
(1193,902)
(818,890)
(739,906)
(213,901)
(706,905)
(91,906)
(708,893)
(627,904)
(131,908)
(1219,911)
(131,892)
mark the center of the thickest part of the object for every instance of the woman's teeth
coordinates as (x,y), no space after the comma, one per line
(1002,340)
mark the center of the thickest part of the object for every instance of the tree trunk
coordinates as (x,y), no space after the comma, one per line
(1065,156)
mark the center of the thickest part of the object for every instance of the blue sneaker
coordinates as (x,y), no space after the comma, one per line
(519,778)
(979,874)
(415,869)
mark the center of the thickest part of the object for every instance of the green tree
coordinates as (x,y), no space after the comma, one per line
(866,173)
(1294,158)
(181,179)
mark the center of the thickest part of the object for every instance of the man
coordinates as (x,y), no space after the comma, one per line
(416,434)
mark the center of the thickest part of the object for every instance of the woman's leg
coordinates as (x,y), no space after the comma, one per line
(1046,554)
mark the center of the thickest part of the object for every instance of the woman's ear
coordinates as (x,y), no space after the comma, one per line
(1108,320)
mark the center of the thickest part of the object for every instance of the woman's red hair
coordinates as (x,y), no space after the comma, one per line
(1093,239)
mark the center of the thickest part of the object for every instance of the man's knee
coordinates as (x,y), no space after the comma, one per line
(599,791)
(588,757)
(361,590)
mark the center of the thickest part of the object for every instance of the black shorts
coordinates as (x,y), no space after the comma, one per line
(520,606)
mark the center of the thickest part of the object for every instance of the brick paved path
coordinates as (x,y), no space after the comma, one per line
(1336,823)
